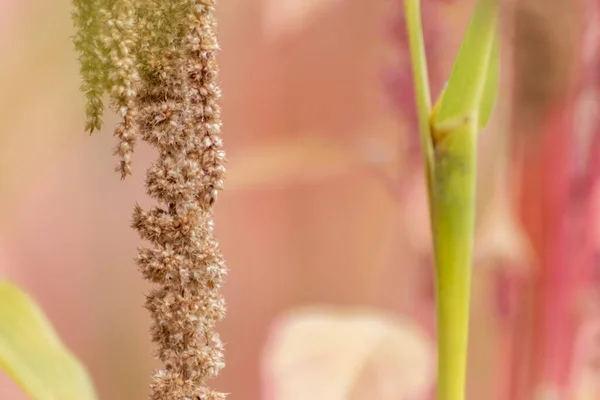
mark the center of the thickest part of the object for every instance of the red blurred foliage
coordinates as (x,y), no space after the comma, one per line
(555,196)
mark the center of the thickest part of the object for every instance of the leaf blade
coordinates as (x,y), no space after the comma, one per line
(32,354)
(468,81)
(490,88)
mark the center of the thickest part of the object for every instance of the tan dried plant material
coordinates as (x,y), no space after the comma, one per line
(157,62)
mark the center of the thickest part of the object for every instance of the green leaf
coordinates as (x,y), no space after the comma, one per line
(32,354)
(490,89)
(472,86)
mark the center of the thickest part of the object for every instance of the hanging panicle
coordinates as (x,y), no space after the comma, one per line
(92,65)
(162,76)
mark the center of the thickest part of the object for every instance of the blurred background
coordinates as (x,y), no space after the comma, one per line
(323,221)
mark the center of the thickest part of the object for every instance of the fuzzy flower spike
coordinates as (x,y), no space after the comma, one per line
(173,105)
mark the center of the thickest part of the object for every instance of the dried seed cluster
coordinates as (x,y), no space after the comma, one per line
(156,60)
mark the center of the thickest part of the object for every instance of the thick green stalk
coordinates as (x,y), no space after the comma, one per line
(463,111)
(453,193)
(449,144)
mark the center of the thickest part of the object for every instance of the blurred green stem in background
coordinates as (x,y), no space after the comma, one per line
(449,144)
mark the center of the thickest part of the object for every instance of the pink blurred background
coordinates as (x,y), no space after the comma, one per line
(324,200)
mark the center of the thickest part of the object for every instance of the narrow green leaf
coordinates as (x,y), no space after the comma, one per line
(464,94)
(490,89)
(32,354)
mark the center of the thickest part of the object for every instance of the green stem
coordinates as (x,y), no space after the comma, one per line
(449,144)
(453,192)
(421,83)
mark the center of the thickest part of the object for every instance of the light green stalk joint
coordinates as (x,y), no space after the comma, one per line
(449,143)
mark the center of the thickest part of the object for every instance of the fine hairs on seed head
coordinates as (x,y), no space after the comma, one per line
(156,61)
